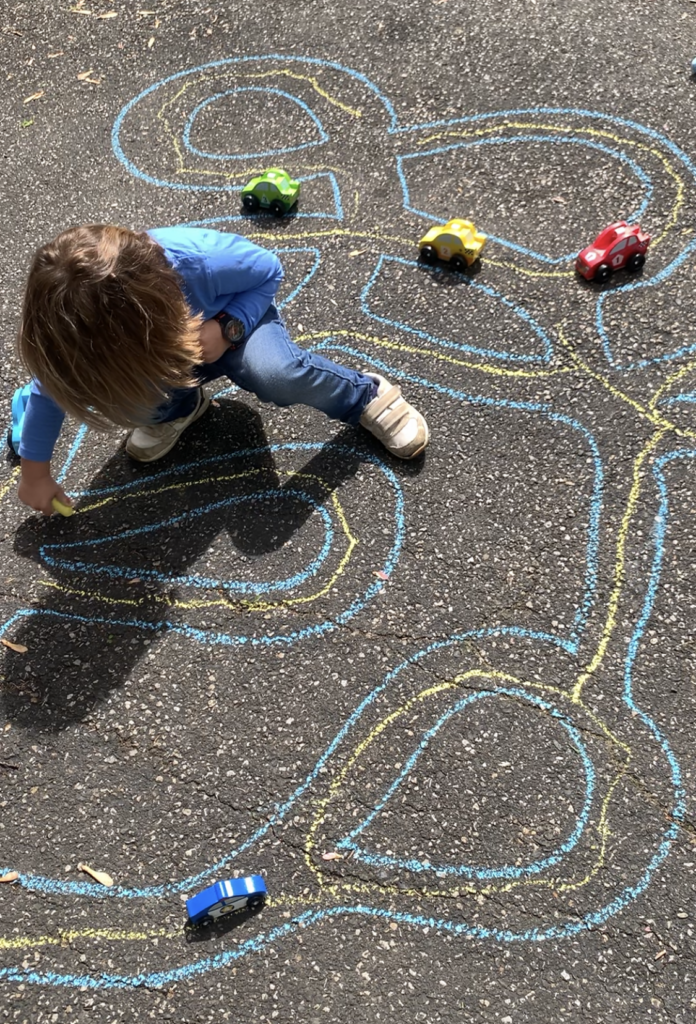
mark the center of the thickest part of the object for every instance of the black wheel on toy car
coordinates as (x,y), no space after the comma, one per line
(428,254)
(250,202)
(458,263)
(635,262)
(277,208)
(602,273)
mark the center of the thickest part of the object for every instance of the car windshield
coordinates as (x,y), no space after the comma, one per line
(607,240)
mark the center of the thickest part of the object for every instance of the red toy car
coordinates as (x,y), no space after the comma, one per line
(619,245)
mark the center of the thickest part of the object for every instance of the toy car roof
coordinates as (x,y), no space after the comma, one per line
(275,172)
(198,906)
(456,226)
(276,175)
(460,225)
(616,230)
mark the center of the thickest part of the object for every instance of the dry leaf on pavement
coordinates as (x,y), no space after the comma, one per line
(19,648)
(98,876)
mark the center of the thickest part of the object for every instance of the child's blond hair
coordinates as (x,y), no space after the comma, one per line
(106,328)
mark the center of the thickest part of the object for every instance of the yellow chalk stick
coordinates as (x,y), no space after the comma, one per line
(65,510)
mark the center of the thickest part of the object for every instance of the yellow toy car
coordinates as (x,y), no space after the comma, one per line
(457,242)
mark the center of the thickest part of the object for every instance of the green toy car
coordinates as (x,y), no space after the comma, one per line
(273,190)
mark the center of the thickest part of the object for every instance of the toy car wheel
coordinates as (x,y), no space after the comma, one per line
(277,208)
(256,901)
(602,273)
(635,262)
(428,254)
(250,202)
(458,263)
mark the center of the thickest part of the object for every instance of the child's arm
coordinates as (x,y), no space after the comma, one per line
(243,276)
(40,429)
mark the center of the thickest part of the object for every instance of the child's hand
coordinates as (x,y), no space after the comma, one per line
(212,341)
(37,488)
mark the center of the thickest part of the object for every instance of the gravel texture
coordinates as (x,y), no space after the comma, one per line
(468,680)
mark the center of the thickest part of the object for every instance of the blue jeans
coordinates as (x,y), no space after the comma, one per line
(270,365)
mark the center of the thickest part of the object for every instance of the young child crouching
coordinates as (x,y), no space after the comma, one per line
(123,327)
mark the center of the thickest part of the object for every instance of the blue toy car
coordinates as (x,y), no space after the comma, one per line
(225,897)
(19,405)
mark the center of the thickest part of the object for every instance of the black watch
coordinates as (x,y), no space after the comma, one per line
(232,328)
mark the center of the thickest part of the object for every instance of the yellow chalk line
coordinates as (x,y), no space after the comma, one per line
(633,498)
(65,937)
(671,380)
(489,368)
(261,606)
(230,73)
(664,426)
(381,237)
(275,72)
(5,488)
(619,565)
(337,781)
(648,412)
(410,242)
(333,889)
(600,133)
(355,887)
(161,116)
(183,169)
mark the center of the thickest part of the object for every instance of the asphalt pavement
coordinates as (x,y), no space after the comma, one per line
(445,708)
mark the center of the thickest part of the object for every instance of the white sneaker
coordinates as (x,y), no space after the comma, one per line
(147,444)
(401,428)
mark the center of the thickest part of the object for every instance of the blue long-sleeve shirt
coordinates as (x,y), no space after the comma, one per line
(220,272)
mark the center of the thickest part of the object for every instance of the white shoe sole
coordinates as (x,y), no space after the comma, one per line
(142,455)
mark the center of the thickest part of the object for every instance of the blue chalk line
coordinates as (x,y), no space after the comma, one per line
(569,644)
(394,127)
(194,579)
(215,637)
(465,870)
(643,177)
(519,311)
(323,136)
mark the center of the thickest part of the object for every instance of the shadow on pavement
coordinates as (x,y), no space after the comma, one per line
(100,615)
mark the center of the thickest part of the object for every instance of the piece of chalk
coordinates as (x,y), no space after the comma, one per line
(65,510)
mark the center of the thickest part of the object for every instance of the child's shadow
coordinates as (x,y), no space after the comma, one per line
(115,567)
